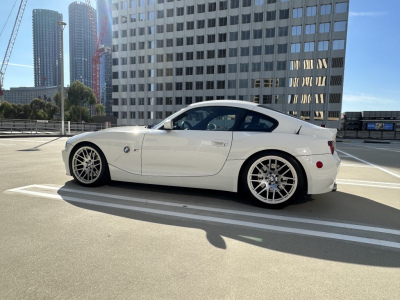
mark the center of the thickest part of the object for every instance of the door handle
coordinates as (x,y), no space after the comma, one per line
(219,143)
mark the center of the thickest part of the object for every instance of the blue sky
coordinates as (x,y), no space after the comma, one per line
(372,58)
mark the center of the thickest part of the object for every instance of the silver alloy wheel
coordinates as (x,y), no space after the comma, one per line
(86,165)
(272,179)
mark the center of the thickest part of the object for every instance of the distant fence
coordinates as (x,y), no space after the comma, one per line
(8,126)
(369,134)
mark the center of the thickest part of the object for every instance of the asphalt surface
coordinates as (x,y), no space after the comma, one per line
(129,241)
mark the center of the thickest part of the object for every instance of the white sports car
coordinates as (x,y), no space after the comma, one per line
(223,145)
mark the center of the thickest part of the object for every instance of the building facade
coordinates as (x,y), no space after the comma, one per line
(288,54)
(104,9)
(24,95)
(46,47)
(81,42)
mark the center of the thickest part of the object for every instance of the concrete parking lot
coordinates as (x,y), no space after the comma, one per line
(131,241)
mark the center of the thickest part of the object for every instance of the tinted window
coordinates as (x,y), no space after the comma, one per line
(254,121)
(208,118)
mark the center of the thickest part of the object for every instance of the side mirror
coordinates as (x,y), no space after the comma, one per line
(168,125)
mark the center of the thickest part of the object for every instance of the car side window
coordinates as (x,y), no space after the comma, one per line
(213,118)
(255,121)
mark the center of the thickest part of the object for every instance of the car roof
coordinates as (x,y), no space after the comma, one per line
(233,103)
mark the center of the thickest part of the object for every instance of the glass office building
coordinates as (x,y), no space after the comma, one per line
(46,47)
(104,9)
(289,55)
(81,42)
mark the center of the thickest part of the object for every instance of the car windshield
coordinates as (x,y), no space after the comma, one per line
(169,118)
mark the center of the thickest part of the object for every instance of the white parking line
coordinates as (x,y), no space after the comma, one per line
(27,140)
(371,164)
(212,209)
(356,166)
(222,220)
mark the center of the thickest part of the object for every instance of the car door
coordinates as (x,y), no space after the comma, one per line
(198,144)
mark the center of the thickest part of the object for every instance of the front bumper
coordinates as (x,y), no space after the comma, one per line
(65,156)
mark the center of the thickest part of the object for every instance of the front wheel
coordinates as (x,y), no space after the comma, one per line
(272,179)
(88,166)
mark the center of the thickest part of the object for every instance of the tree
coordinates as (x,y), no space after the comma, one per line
(80,95)
(100,110)
(7,111)
(38,110)
(77,114)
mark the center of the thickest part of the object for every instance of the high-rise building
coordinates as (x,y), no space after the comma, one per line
(46,47)
(287,54)
(81,42)
(104,9)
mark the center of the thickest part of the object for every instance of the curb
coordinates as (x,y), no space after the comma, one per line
(377,141)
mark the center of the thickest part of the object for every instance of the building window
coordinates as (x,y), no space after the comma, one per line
(179,11)
(319,98)
(244,68)
(245,35)
(233,36)
(336,80)
(178,86)
(334,98)
(257,50)
(281,65)
(338,62)
(231,84)
(222,37)
(210,54)
(212,6)
(283,31)
(211,22)
(323,45)
(269,32)
(339,26)
(232,68)
(221,53)
(244,51)
(280,82)
(243,83)
(223,21)
(189,70)
(209,85)
(297,12)
(221,84)
(234,20)
(320,80)
(341,7)
(210,69)
(282,48)
(211,38)
(296,30)
(257,33)
(199,85)
(179,26)
(178,100)
(232,52)
(311,11)
(269,66)
(309,47)
(333,115)
(234,3)
(269,49)
(189,86)
(190,25)
(200,24)
(246,19)
(255,83)
(258,17)
(268,82)
(256,67)
(271,15)
(199,70)
(201,8)
(293,82)
(322,63)
(295,65)
(324,27)
(307,81)
(326,9)
(338,45)
(190,10)
(310,29)
(246,3)
(178,71)
(199,54)
(283,14)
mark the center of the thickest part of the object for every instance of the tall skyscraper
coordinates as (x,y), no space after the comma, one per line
(104,9)
(289,55)
(46,47)
(81,42)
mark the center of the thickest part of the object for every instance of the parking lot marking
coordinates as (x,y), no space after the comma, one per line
(306,232)
(356,165)
(212,209)
(371,164)
(371,184)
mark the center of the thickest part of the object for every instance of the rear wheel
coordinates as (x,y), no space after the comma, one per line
(273,179)
(89,166)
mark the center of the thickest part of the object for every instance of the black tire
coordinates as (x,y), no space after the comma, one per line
(102,174)
(253,184)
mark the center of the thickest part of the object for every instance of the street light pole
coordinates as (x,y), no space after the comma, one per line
(63,24)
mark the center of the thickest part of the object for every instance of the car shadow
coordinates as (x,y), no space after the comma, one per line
(336,207)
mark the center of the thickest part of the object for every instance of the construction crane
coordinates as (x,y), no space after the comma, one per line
(100,50)
(11,43)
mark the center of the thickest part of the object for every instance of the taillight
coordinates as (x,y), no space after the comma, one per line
(331,145)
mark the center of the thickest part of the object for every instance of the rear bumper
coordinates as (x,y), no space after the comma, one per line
(321,180)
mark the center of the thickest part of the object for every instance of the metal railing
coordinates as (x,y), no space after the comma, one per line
(10,126)
(369,134)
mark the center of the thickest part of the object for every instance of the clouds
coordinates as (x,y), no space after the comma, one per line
(19,65)
(367,14)
(361,101)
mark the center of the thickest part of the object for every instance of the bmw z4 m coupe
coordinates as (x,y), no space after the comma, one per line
(223,145)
